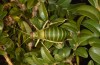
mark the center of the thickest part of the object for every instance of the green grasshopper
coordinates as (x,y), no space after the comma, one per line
(51,34)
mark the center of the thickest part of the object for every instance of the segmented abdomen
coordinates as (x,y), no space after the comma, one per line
(55,34)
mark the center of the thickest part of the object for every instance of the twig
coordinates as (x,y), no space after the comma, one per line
(35,9)
(8,59)
(6,56)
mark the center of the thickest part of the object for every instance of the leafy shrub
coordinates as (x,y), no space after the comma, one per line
(22,20)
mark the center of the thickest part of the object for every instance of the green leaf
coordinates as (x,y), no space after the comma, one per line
(1,26)
(59,46)
(22,1)
(97,63)
(9,44)
(3,14)
(19,52)
(17,18)
(27,27)
(42,0)
(81,51)
(30,4)
(60,54)
(92,25)
(94,41)
(46,55)
(73,7)
(36,60)
(90,62)
(58,21)
(52,1)
(79,21)
(84,43)
(64,3)
(28,60)
(37,23)
(89,11)
(94,53)
(84,36)
(58,57)
(15,11)
(43,12)
(72,43)
(62,63)
(2,52)
(94,3)
(1,7)
(48,44)
(51,7)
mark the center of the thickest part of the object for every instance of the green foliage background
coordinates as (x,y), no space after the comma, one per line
(20,17)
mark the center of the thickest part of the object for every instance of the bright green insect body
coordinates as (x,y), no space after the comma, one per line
(52,34)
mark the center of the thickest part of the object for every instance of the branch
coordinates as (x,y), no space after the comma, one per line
(6,56)
(8,59)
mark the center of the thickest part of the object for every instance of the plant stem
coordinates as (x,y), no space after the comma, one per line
(77,60)
(8,59)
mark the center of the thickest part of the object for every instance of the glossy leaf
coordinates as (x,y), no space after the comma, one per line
(14,11)
(52,1)
(29,60)
(19,53)
(7,42)
(17,18)
(51,7)
(30,3)
(9,45)
(89,11)
(48,44)
(94,41)
(59,54)
(71,26)
(25,31)
(64,3)
(79,21)
(58,57)
(94,52)
(90,62)
(93,26)
(73,7)
(22,1)
(36,60)
(59,46)
(46,55)
(97,63)
(58,21)
(42,0)
(94,3)
(3,14)
(72,43)
(43,12)
(2,40)
(37,23)
(84,36)
(84,43)
(81,51)
(1,26)
(62,63)
(27,27)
